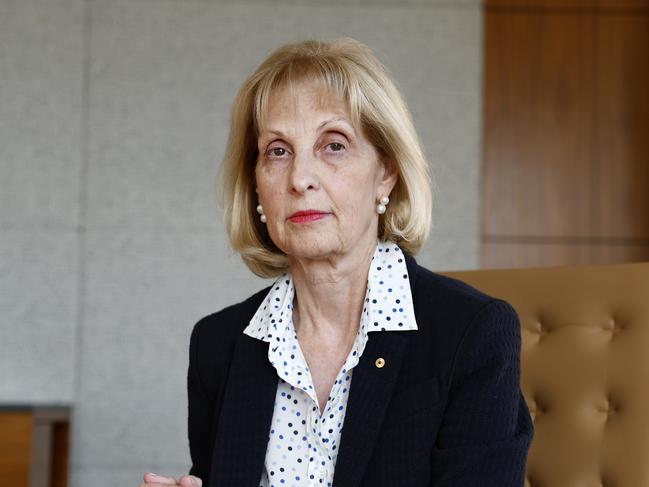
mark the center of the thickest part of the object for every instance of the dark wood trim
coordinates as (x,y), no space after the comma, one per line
(565,240)
(570,6)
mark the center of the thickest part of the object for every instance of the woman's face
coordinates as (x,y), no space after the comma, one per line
(318,178)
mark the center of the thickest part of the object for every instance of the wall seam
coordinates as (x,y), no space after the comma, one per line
(81,225)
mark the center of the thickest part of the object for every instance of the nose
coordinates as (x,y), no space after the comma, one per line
(303,175)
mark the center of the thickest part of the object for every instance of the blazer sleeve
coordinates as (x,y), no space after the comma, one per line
(200,414)
(486,429)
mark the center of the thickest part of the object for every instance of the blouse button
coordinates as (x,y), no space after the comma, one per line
(380,362)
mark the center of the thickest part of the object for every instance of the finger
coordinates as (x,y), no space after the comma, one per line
(190,481)
(152,478)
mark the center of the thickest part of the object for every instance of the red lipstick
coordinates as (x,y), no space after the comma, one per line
(307,216)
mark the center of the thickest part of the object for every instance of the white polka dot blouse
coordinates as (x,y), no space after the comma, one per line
(303,441)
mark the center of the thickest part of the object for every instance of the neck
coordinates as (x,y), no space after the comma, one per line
(330,293)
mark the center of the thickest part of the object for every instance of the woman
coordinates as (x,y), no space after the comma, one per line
(357,366)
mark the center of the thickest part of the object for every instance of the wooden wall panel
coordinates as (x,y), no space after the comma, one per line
(566,132)
(510,4)
(615,254)
(515,254)
(634,5)
(538,124)
(512,255)
(15,447)
(622,164)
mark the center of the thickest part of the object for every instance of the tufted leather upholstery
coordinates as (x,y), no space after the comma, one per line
(585,369)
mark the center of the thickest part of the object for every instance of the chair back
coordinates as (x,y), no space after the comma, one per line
(584,369)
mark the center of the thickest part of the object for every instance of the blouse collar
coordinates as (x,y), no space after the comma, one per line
(388,300)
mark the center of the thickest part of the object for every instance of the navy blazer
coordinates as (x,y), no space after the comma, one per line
(446,409)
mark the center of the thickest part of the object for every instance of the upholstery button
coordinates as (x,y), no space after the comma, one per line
(540,330)
(608,408)
(613,327)
(536,408)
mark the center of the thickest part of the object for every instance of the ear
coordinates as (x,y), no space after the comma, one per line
(389,177)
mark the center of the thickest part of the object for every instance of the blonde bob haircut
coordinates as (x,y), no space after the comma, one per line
(349,70)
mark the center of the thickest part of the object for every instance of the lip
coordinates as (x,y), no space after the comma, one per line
(307,216)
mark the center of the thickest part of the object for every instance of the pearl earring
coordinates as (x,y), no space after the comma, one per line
(260,210)
(383,201)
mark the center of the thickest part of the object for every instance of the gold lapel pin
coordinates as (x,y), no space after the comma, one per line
(380,362)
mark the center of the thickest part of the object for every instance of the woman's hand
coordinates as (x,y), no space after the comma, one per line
(153,480)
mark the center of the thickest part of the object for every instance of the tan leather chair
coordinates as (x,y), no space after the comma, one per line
(584,369)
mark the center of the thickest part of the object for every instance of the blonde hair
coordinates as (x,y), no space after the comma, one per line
(350,70)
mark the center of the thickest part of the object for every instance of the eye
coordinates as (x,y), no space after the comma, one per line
(336,142)
(336,146)
(276,152)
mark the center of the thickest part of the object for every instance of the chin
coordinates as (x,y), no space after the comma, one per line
(316,247)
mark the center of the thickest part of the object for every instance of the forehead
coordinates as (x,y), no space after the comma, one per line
(291,101)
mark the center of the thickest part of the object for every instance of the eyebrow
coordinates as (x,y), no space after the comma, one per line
(323,124)
(337,119)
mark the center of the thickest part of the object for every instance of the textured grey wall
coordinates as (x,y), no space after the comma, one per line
(113,118)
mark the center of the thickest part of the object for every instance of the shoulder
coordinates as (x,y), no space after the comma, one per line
(212,343)
(456,319)
(434,294)
(219,330)
(228,316)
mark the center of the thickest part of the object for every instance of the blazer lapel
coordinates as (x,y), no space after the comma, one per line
(246,414)
(369,396)
(370,392)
